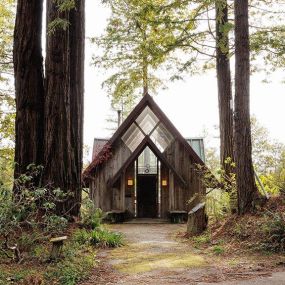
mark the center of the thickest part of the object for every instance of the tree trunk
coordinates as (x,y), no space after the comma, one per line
(145,77)
(224,86)
(246,187)
(77,56)
(64,106)
(29,87)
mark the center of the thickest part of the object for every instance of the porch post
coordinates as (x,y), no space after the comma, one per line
(122,192)
(171,191)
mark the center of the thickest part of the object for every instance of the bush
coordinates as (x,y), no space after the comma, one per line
(76,266)
(218,250)
(274,230)
(105,238)
(82,236)
(28,216)
(202,239)
(91,217)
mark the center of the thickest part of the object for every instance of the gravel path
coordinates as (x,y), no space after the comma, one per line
(153,255)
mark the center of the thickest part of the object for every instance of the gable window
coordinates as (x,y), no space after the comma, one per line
(147,162)
(133,137)
(147,120)
(147,124)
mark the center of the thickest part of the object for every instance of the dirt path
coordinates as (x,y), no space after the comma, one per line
(153,255)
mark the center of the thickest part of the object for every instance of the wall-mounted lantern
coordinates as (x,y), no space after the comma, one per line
(130,182)
(164,182)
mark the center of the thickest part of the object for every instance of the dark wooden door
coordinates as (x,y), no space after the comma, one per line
(147,196)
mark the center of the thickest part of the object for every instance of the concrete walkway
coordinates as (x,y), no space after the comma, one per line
(153,255)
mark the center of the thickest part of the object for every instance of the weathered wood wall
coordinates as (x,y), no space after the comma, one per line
(184,164)
(164,192)
(104,196)
(174,196)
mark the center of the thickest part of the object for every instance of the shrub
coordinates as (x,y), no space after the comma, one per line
(105,238)
(91,217)
(31,212)
(81,236)
(274,230)
(217,249)
(202,239)
(76,266)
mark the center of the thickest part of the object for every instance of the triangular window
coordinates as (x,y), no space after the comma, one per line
(147,124)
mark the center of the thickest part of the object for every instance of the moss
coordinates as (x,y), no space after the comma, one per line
(140,258)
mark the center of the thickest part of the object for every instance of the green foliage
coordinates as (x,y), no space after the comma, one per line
(61,22)
(7,101)
(105,238)
(202,239)
(218,249)
(74,267)
(99,237)
(91,217)
(141,38)
(30,210)
(268,158)
(222,198)
(218,204)
(81,236)
(274,230)
(267,36)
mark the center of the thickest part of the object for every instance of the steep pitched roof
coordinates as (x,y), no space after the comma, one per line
(147,100)
(98,145)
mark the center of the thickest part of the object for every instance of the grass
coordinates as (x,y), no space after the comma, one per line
(105,238)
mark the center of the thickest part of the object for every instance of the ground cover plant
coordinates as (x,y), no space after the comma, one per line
(28,221)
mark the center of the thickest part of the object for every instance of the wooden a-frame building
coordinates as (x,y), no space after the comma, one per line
(147,168)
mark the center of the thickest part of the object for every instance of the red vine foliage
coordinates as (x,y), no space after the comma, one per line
(103,155)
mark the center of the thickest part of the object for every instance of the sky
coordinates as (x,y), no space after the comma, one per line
(192,104)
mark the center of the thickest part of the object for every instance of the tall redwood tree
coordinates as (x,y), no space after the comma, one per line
(64,105)
(224,85)
(29,87)
(77,55)
(246,187)
(49,117)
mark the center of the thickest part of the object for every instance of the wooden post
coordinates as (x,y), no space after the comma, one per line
(122,192)
(171,191)
(57,244)
(197,220)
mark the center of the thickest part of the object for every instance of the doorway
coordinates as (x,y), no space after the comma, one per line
(147,196)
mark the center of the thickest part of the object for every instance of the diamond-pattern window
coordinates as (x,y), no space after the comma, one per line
(161,137)
(133,137)
(147,120)
(148,124)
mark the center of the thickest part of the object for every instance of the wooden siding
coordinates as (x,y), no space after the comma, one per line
(121,196)
(164,207)
(105,197)
(178,156)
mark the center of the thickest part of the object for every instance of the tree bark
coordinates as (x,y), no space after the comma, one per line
(77,57)
(246,187)
(224,86)
(64,106)
(29,85)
